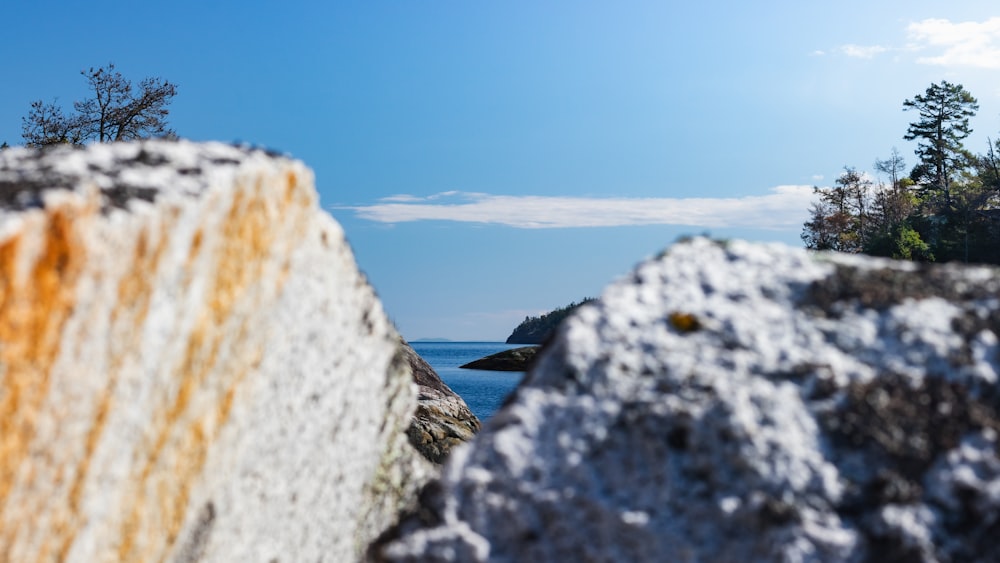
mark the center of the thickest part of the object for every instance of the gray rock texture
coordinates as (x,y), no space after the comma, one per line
(442,419)
(739,402)
(191,366)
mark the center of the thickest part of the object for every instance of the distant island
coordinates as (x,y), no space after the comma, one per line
(432,340)
(516,359)
(534,330)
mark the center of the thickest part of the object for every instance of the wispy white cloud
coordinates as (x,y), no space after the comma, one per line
(862,51)
(407,198)
(785,207)
(972,44)
(402,198)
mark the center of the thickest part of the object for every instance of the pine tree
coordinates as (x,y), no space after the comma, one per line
(944,111)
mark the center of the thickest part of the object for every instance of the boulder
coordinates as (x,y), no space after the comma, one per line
(740,402)
(516,359)
(191,366)
(442,419)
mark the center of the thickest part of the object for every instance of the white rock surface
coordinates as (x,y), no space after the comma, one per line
(739,402)
(191,366)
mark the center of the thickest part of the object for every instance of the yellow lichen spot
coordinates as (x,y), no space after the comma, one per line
(684,322)
(196,242)
(292,181)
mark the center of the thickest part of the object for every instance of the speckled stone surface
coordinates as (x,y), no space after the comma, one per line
(191,366)
(741,402)
(442,420)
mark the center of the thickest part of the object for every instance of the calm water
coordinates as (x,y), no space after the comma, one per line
(483,391)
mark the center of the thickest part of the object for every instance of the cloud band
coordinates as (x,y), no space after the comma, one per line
(784,208)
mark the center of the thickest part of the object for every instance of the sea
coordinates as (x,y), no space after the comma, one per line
(483,391)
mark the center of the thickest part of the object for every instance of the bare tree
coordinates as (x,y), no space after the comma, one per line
(842,218)
(895,203)
(46,124)
(829,227)
(989,165)
(116,111)
(892,167)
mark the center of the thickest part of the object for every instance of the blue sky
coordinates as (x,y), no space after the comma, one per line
(492,160)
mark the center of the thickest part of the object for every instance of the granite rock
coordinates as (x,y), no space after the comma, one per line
(741,402)
(442,420)
(191,366)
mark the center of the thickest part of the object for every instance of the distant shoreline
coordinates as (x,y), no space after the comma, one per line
(448,341)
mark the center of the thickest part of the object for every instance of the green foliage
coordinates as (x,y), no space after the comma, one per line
(901,243)
(947,209)
(535,330)
(909,246)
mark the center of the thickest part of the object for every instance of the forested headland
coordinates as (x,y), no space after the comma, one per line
(946,207)
(535,330)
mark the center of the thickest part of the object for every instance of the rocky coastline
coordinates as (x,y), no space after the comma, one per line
(442,420)
(192,368)
(734,401)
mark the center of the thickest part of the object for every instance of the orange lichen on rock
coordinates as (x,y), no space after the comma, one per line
(34,305)
(214,363)
(134,293)
(165,309)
